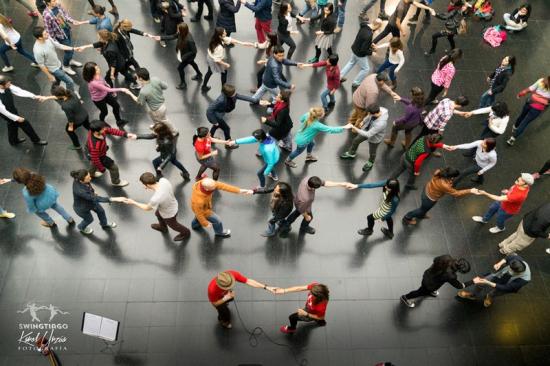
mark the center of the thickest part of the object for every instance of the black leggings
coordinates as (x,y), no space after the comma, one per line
(212,165)
(72,134)
(181,68)
(102,105)
(370,223)
(224,127)
(422,291)
(282,39)
(444,33)
(209,74)
(295,318)
(200,7)
(318,52)
(434,92)
(545,167)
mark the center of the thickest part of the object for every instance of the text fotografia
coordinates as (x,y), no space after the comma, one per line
(37,328)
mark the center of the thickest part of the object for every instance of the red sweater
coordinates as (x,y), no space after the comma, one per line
(332,72)
(97,148)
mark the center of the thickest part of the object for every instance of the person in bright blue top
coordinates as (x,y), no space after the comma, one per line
(269,151)
(387,207)
(100,20)
(40,197)
(309,128)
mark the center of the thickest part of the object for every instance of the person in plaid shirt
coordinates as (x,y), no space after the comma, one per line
(57,22)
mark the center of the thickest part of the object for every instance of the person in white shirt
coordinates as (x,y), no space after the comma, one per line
(164,203)
(9,112)
(485,159)
(495,125)
(395,59)
(12,40)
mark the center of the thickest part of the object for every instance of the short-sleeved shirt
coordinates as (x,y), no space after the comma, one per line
(203,147)
(318,309)
(514,200)
(215,293)
(304,196)
(164,200)
(399,13)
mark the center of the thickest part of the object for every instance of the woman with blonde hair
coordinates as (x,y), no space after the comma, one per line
(309,128)
(12,40)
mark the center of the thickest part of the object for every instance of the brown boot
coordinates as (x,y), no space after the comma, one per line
(388,142)
(407,141)
(393,84)
(466,295)
(158,227)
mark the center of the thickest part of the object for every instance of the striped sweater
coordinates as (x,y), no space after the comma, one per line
(97,147)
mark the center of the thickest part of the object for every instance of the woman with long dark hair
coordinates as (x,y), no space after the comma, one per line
(226,15)
(497,81)
(496,123)
(386,209)
(442,270)
(454,24)
(206,156)
(285,29)
(166,146)
(40,197)
(325,36)
(279,121)
(411,118)
(186,51)
(443,75)
(281,204)
(103,94)
(86,201)
(216,55)
(313,311)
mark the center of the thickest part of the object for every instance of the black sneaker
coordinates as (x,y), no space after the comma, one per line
(309,230)
(225,234)
(197,77)
(194,20)
(407,302)
(185,176)
(383,16)
(205,88)
(365,232)
(181,86)
(121,123)
(388,234)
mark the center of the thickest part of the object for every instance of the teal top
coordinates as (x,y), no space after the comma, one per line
(268,149)
(306,135)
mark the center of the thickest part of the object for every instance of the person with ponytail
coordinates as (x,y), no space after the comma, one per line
(440,185)
(86,201)
(40,197)
(443,75)
(386,209)
(206,156)
(310,127)
(186,51)
(443,270)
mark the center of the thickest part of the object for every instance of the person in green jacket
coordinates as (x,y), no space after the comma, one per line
(309,128)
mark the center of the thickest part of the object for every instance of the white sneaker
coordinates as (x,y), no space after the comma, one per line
(548,250)
(7,215)
(34,64)
(87,231)
(122,183)
(274,177)
(75,63)
(98,174)
(495,230)
(68,70)
(479,219)
(110,225)
(7,68)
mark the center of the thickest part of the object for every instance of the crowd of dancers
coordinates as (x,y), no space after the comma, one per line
(279,142)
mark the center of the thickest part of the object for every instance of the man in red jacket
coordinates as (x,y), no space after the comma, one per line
(97,151)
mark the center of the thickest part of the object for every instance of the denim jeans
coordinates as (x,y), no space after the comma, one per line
(371,3)
(391,67)
(67,55)
(61,75)
(5,48)
(87,217)
(262,90)
(57,208)
(528,114)
(213,219)
(286,142)
(426,205)
(326,95)
(486,99)
(261,175)
(300,149)
(502,216)
(314,10)
(285,224)
(363,63)
(341,10)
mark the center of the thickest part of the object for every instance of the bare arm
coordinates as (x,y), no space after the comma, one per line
(494,197)
(143,206)
(329,183)
(256,284)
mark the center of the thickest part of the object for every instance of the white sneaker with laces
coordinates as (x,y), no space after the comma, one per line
(548,250)
(495,230)
(68,70)
(75,63)
(7,68)
(122,183)
(479,219)
(98,174)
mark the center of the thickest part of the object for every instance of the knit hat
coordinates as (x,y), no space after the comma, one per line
(528,178)
(225,280)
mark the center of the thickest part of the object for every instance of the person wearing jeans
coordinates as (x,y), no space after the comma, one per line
(340,6)
(40,197)
(381,14)
(485,159)
(533,107)
(12,40)
(201,204)
(508,204)
(360,51)
(332,72)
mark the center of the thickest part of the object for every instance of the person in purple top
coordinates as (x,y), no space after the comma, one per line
(411,118)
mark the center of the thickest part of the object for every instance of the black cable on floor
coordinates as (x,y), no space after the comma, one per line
(258,331)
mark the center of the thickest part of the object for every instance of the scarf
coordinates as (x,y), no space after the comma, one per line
(499,70)
(279,106)
(204,190)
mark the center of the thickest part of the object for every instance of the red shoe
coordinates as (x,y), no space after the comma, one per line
(287,330)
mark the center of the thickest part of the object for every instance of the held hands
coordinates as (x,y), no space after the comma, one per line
(348,126)
(475,191)
(479,281)
(264,103)
(432,11)
(449,147)
(301,312)
(468,114)
(231,143)
(301,65)
(119,199)
(351,186)
(4,180)
(319,32)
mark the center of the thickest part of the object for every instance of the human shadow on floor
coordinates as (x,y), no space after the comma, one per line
(363,247)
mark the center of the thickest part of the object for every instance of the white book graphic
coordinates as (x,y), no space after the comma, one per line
(101,327)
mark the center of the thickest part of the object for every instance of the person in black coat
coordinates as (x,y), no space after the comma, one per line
(498,80)
(282,204)
(225,103)
(454,19)
(86,201)
(124,29)
(226,15)
(442,270)
(172,15)
(200,8)
(186,51)
(166,146)
(280,121)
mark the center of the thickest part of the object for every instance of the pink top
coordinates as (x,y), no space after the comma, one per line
(99,89)
(444,76)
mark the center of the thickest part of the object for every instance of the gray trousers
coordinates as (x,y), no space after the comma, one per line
(357,141)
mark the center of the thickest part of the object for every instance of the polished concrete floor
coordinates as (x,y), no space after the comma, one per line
(157,288)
